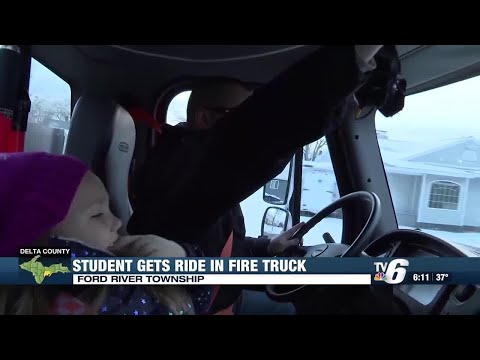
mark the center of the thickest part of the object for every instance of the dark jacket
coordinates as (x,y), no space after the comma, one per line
(191,183)
(184,193)
(162,164)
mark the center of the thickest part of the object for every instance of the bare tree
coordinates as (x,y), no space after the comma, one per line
(37,110)
(61,111)
(43,111)
(313,150)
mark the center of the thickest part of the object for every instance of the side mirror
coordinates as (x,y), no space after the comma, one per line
(275,221)
(276,191)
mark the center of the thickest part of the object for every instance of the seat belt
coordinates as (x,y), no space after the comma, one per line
(226,252)
(139,115)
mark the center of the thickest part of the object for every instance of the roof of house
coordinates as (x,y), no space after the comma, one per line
(408,157)
(413,158)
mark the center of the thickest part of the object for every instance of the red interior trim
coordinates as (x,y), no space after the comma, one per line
(139,115)
(16,141)
(5,128)
(226,252)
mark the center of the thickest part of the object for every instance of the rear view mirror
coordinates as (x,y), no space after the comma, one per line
(275,221)
(276,191)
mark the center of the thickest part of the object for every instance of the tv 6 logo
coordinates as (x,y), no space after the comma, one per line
(392,272)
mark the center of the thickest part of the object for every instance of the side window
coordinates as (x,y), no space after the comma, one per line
(177,109)
(319,189)
(49,117)
(431,154)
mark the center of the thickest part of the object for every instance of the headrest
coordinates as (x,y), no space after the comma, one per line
(102,135)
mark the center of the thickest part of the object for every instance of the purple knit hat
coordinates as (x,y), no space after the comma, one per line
(36,190)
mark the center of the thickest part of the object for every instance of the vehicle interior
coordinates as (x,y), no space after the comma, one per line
(358,157)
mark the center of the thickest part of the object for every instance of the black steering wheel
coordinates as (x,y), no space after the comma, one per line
(363,240)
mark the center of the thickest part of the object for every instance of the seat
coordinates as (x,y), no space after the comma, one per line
(102,134)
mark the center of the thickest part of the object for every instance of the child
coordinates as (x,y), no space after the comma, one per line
(46,198)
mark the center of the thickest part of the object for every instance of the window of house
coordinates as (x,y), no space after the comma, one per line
(49,117)
(444,195)
(274,184)
(431,154)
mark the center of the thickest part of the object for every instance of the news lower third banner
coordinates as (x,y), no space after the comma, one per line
(61,269)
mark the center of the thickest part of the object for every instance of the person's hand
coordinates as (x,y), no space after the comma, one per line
(147,246)
(283,242)
(367,52)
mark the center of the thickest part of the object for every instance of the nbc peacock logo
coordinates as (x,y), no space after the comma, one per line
(380,276)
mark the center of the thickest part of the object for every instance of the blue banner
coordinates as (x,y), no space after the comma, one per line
(61,270)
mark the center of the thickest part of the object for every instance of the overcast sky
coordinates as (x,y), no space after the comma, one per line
(448,112)
(47,85)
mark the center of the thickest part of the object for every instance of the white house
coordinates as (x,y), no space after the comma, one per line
(432,185)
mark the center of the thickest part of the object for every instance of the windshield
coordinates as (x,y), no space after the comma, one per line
(431,153)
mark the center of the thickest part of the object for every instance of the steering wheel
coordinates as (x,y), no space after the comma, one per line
(363,240)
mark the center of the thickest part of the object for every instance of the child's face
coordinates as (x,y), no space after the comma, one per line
(89,218)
